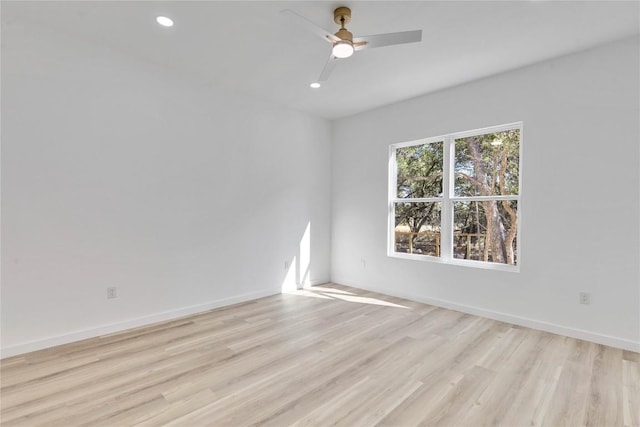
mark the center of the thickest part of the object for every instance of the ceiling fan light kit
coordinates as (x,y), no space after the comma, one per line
(342,49)
(344,44)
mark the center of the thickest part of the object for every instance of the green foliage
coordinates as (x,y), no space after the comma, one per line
(419,175)
(484,165)
(487,165)
(420,170)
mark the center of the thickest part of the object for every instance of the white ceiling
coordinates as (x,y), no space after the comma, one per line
(250,47)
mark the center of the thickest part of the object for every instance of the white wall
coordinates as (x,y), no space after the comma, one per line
(117,173)
(580,189)
(185,197)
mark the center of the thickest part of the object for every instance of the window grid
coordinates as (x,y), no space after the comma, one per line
(448,199)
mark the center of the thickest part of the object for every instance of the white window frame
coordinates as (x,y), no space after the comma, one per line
(448,198)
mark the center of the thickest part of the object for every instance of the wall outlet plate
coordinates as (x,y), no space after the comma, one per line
(112,292)
(585,298)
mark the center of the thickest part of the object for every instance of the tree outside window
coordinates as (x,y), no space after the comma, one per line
(455,198)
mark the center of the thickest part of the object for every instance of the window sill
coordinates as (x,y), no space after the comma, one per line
(459,262)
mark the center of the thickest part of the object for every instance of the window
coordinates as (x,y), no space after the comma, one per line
(455,198)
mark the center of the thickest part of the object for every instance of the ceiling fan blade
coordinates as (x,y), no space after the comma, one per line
(328,68)
(311,26)
(380,40)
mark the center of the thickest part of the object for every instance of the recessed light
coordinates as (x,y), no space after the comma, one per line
(315,85)
(164,21)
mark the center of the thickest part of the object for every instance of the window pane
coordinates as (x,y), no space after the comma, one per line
(487,165)
(420,170)
(486,231)
(417,228)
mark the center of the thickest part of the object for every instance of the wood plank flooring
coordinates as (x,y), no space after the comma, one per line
(331,355)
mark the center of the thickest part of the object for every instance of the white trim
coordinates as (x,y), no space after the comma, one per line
(418,200)
(520,209)
(482,198)
(446,210)
(485,264)
(110,328)
(489,129)
(449,198)
(392,194)
(418,142)
(581,334)
(457,261)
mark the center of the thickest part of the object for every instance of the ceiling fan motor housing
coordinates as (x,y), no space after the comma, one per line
(344,34)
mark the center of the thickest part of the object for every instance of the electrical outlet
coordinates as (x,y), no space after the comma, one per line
(364,263)
(585,298)
(286,265)
(112,292)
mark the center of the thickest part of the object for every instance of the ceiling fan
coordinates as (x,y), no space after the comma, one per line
(344,44)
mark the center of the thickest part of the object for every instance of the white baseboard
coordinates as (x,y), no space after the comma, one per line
(53,341)
(74,336)
(541,325)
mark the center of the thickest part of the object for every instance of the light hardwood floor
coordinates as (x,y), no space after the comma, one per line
(331,355)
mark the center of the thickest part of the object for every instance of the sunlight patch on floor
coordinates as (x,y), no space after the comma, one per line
(330,290)
(305,293)
(366,300)
(336,294)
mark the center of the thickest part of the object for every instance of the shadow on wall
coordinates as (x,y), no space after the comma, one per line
(299,266)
